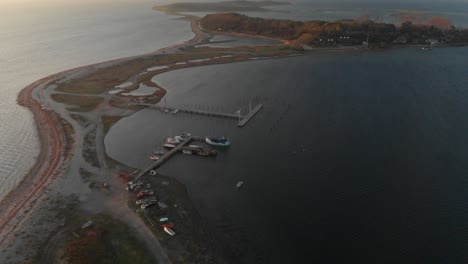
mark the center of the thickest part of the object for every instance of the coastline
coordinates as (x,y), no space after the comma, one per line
(52,140)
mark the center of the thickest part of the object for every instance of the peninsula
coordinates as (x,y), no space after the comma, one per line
(75,109)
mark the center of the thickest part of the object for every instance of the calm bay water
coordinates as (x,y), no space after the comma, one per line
(355,157)
(39,40)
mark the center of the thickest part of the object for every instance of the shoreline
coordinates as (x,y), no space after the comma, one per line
(52,141)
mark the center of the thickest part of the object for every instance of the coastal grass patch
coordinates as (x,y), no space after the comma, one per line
(81,103)
(89,149)
(107,240)
(69,133)
(106,78)
(109,121)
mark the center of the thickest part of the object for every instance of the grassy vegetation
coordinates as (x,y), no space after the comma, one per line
(106,241)
(104,79)
(108,121)
(89,149)
(82,103)
(69,133)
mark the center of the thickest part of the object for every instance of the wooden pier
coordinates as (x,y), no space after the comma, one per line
(243,120)
(250,115)
(196,112)
(164,158)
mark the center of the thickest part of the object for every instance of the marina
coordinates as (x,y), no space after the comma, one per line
(182,145)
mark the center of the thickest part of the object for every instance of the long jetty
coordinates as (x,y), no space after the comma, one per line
(197,112)
(243,120)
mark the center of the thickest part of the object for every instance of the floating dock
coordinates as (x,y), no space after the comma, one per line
(250,115)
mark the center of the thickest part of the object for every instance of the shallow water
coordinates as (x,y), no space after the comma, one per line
(39,40)
(363,156)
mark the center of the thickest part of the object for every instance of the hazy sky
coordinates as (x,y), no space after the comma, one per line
(160,2)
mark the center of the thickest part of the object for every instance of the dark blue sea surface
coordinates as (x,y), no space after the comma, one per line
(355,158)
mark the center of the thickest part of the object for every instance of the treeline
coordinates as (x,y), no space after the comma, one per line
(343,32)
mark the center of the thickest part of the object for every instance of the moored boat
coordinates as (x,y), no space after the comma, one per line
(153,157)
(215,141)
(169,146)
(173,141)
(239,184)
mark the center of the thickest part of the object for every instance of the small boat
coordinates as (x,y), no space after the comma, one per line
(158,152)
(87,224)
(162,205)
(239,184)
(169,146)
(147,204)
(169,231)
(195,146)
(186,151)
(175,111)
(167,225)
(173,141)
(153,157)
(215,141)
(164,219)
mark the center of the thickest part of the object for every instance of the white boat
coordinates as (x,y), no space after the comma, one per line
(175,111)
(169,146)
(239,184)
(186,151)
(164,219)
(153,157)
(173,141)
(169,231)
(195,146)
(87,224)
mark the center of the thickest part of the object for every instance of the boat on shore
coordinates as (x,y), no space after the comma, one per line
(169,231)
(215,141)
